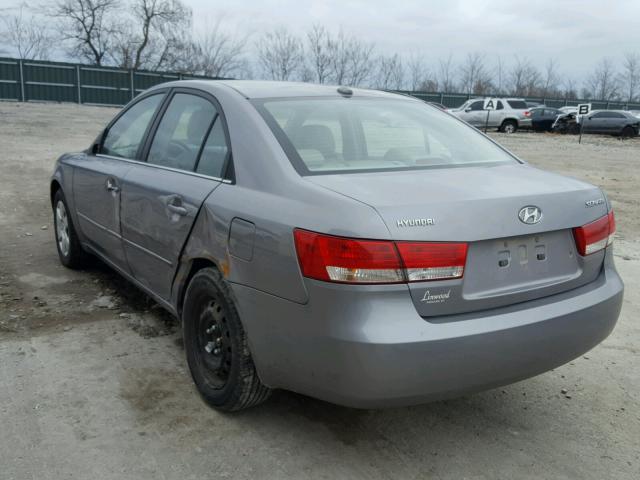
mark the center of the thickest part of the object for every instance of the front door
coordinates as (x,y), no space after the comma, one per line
(161,199)
(97,182)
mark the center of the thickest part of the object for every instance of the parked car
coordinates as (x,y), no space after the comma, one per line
(543,118)
(509,115)
(614,122)
(566,123)
(358,246)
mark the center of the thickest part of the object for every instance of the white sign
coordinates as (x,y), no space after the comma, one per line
(490,103)
(584,108)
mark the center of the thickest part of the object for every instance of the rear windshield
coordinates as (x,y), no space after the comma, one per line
(517,104)
(341,135)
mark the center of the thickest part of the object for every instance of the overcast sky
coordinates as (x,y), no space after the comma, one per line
(575,32)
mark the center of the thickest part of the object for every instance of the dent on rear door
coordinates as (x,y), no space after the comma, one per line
(152,230)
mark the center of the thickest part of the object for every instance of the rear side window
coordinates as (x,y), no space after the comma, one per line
(336,135)
(214,154)
(517,104)
(125,135)
(181,131)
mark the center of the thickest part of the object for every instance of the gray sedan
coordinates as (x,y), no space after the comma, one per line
(614,122)
(357,246)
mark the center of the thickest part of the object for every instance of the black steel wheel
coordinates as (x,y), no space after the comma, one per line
(216,345)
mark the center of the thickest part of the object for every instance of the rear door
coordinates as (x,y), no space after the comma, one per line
(185,158)
(97,182)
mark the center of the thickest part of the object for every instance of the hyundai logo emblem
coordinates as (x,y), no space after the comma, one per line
(530,214)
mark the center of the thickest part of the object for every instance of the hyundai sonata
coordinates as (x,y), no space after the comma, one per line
(357,246)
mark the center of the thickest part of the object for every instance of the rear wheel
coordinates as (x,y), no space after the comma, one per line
(67,242)
(509,126)
(628,132)
(216,345)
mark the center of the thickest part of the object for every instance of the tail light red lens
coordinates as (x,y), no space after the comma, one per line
(347,260)
(595,236)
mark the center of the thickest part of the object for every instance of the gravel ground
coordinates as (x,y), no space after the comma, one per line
(93,382)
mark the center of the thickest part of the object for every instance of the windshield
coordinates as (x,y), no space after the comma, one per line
(341,135)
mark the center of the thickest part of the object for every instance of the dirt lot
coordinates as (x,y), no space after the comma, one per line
(93,382)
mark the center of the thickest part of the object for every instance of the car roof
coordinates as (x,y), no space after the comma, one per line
(276,89)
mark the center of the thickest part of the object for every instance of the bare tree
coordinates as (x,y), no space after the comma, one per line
(524,78)
(280,54)
(351,60)
(630,77)
(417,71)
(446,74)
(569,88)
(359,60)
(214,53)
(319,45)
(87,26)
(390,73)
(161,25)
(602,84)
(474,76)
(29,37)
(550,79)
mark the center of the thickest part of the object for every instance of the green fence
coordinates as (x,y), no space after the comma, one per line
(31,80)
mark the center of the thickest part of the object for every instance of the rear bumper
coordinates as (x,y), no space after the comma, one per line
(367,346)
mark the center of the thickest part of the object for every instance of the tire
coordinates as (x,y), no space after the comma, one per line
(509,126)
(628,132)
(70,251)
(216,345)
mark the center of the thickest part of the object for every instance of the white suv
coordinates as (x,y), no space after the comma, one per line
(510,114)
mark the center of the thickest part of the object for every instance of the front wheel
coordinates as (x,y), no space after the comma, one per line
(68,244)
(509,126)
(217,347)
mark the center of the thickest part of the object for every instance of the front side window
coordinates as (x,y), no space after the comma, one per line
(324,135)
(181,132)
(479,105)
(125,135)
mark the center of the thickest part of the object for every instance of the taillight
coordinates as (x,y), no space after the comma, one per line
(348,260)
(527,114)
(595,236)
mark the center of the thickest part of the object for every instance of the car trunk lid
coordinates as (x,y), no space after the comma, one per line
(508,261)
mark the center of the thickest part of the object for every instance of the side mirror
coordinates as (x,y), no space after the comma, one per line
(95,146)
(467,109)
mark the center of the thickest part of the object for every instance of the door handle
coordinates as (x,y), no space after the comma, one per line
(174,204)
(112,186)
